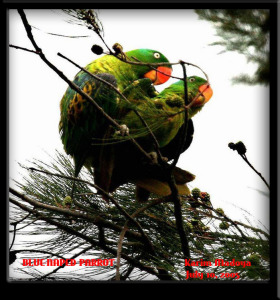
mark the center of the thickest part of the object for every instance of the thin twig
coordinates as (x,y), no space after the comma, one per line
(152,67)
(241,150)
(179,221)
(247,161)
(40,251)
(25,49)
(15,229)
(33,221)
(185,125)
(63,265)
(125,228)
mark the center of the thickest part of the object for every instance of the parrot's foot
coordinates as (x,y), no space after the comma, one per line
(154,157)
(124,130)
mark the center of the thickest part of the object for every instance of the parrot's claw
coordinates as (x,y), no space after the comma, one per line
(154,157)
(124,130)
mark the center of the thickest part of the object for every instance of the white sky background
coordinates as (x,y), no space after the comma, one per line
(235,112)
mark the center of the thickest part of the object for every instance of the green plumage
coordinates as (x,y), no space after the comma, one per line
(80,122)
(164,113)
(88,137)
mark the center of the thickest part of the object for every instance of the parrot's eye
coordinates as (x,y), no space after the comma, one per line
(156,55)
(192,79)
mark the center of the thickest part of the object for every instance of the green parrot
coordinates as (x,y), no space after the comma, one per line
(80,122)
(164,114)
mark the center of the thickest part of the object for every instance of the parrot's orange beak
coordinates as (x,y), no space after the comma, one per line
(205,95)
(160,75)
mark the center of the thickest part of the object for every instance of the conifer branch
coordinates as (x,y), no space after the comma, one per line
(85,216)
(76,214)
(94,243)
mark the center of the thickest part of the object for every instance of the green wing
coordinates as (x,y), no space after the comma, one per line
(164,113)
(80,121)
(162,116)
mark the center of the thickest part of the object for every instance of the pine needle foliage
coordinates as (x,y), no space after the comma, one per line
(85,17)
(95,231)
(247,32)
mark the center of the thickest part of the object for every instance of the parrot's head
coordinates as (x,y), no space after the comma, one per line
(199,90)
(199,93)
(157,74)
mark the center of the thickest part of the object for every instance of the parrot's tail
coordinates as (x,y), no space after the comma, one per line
(182,176)
(146,186)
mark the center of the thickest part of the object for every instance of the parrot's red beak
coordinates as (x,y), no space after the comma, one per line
(206,93)
(160,75)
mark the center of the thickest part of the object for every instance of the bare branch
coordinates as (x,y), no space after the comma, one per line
(241,150)
(25,49)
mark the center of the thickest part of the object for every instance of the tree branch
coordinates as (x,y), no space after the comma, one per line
(94,220)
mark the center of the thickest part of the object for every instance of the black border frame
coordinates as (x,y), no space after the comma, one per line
(241,290)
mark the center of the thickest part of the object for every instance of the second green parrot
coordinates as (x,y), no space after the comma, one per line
(120,162)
